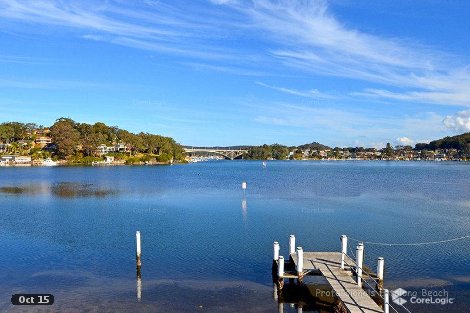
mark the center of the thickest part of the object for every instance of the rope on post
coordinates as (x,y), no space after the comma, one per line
(411,244)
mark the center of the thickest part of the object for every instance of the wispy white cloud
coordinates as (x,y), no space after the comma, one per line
(310,38)
(313,93)
(20,59)
(459,122)
(304,35)
(449,97)
(240,71)
(165,28)
(54,84)
(343,127)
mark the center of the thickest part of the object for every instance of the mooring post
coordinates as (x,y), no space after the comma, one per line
(359,262)
(244,187)
(291,244)
(276,249)
(386,301)
(280,307)
(344,249)
(138,250)
(280,267)
(380,273)
(299,308)
(280,272)
(300,263)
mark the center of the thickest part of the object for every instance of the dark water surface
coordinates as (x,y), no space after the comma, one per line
(70,231)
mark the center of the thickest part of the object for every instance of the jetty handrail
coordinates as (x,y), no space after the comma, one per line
(365,272)
(370,285)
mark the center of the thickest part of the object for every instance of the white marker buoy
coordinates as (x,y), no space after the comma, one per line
(244,185)
(138,249)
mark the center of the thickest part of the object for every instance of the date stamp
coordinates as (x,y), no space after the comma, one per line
(32,299)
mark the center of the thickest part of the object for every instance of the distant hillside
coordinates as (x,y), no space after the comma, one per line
(459,142)
(313,146)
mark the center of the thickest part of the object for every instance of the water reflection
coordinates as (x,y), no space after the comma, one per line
(312,295)
(139,288)
(244,209)
(60,190)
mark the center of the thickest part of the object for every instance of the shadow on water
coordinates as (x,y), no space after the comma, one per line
(60,190)
(309,296)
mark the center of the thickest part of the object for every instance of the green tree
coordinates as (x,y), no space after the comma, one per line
(7,133)
(65,136)
(389,150)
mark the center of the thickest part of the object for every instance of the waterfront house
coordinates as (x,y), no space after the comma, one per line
(102,149)
(118,147)
(7,158)
(43,141)
(23,142)
(4,147)
(41,132)
(17,159)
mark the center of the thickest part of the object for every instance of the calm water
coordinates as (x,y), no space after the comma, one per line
(206,248)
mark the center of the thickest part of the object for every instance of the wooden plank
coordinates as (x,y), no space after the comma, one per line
(354,297)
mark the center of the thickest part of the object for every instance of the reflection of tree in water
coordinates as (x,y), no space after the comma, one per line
(73,190)
(61,190)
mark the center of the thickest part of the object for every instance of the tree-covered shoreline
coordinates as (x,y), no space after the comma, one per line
(72,142)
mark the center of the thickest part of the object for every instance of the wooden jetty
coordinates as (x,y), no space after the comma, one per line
(343,274)
(328,264)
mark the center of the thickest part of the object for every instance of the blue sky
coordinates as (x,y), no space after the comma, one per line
(221,72)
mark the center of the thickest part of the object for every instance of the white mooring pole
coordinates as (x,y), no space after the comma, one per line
(291,244)
(359,261)
(344,249)
(244,187)
(138,249)
(280,267)
(380,272)
(300,261)
(276,249)
(386,301)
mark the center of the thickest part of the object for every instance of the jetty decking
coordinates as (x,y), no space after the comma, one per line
(328,264)
(346,276)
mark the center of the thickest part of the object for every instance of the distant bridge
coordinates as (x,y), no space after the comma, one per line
(226,153)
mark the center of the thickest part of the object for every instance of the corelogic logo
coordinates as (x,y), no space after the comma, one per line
(424,297)
(397,295)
